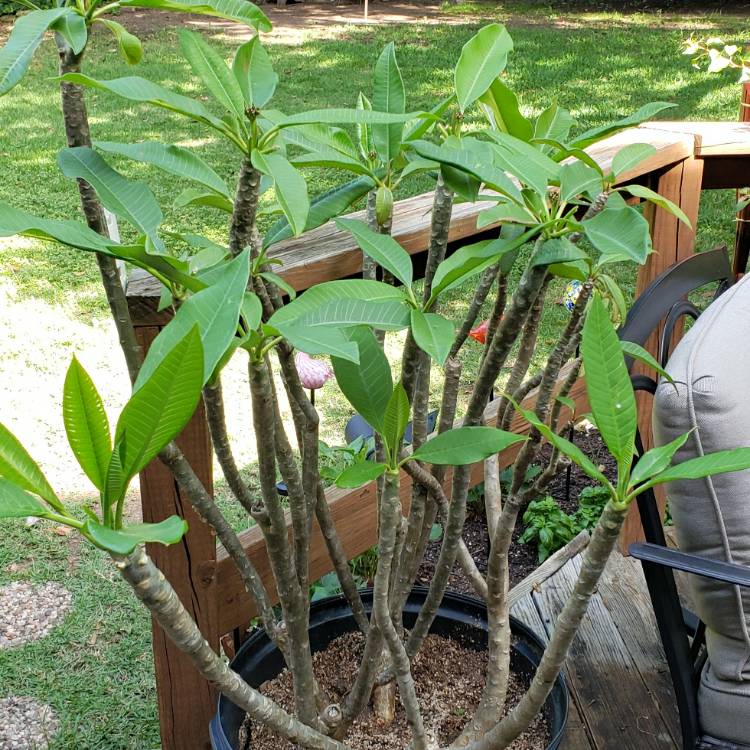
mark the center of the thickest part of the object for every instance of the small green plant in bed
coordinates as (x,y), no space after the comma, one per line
(551,528)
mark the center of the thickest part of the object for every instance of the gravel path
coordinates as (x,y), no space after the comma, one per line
(29,612)
(25,724)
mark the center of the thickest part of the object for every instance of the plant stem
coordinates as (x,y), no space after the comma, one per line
(486,281)
(597,554)
(293,600)
(306,420)
(154,591)
(390,517)
(529,286)
(206,507)
(213,399)
(245,208)
(77,133)
(493,493)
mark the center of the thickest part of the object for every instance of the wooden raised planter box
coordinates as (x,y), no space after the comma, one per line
(689,157)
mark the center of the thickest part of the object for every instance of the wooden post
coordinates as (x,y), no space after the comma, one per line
(672,242)
(742,242)
(186,701)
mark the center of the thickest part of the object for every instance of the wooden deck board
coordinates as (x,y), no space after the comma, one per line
(577,734)
(616,670)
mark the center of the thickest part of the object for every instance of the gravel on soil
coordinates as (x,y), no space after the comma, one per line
(29,612)
(448,676)
(26,724)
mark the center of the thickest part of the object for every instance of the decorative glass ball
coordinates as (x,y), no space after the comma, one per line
(570,296)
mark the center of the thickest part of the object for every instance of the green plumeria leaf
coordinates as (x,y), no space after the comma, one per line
(215,311)
(359,474)
(473,259)
(465,445)
(124,541)
(26,35)
(395,420)
(323,208)
(656,460)
(572,451)
(142,90)
(631,156)
(199,197)
(171,159)
(211,68)
(72,28)
(320,339)
(389,95)
(558,250)
(433,333)
(483,58)
(553,124)
(241,11)
(331,291)
(382,248)
(280,282)
(343,116)
(254,73)
(721,462)
(640,191)
(367,384)
(86,424)
(577,178)
(526,161)
(130,45)
(291,188)
(631,349)
(132,201)
(479,167)
(500,105)
(608,382)
(647,112)
(386,315)
(17,466)
(17,503)
(158,411)
(13,221)
(619,234)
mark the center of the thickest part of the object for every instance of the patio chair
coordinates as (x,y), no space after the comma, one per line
(714,711)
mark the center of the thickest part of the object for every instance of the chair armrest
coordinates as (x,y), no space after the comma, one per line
(701,566)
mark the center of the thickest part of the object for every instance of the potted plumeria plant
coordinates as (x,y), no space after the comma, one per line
(559,214)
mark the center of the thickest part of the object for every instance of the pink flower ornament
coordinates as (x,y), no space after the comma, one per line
(313,373)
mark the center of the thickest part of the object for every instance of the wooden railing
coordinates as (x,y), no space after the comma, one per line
(689,157)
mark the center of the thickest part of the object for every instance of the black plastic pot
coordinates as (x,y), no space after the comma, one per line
(460,617)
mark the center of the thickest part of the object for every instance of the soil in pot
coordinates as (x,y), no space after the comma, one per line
(523,558)
(449,678)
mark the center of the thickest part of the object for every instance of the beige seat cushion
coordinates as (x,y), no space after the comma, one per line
(711,369)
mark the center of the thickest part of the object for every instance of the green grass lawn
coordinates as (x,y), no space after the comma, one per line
(95,669)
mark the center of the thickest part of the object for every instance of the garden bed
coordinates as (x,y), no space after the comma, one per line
(523,557)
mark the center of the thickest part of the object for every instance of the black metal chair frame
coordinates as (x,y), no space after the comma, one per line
(682,633)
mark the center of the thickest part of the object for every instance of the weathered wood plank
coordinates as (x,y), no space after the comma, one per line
(624,593)
(577,734)
(618,708)
(353,512)
(548,568)
(711,138)
(186,701)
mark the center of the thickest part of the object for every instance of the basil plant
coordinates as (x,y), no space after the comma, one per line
(555,213)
